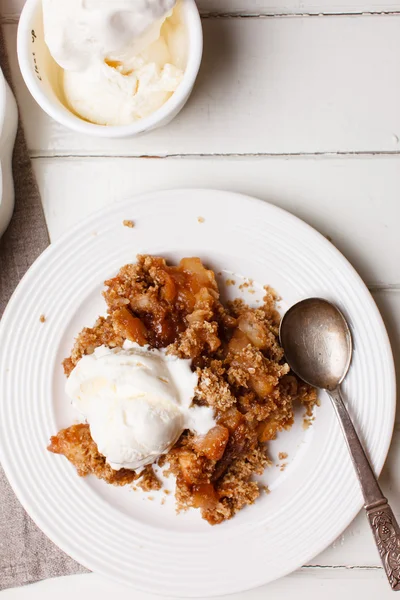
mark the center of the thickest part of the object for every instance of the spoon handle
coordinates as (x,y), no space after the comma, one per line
(381,518)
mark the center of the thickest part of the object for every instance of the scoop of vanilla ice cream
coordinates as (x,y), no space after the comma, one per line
(80,32)
(122,60)
(137,402)
(109,96)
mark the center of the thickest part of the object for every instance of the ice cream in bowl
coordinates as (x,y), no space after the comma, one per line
(112,68)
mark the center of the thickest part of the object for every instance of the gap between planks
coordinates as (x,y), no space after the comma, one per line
(293,155)
(266,15)
(13,19)
(343,567)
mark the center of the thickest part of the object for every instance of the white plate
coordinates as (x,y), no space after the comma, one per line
(118,532)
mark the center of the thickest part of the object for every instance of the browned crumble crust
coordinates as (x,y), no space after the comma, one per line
(246,284)
(103,333)
(77,445)
(148,480)
(242,375)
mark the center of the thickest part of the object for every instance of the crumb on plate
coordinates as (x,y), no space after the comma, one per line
(307,422)
(149,481)
(128,223)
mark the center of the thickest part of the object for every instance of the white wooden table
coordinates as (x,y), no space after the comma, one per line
(298,103)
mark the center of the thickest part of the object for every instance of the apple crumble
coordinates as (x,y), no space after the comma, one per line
(241,373)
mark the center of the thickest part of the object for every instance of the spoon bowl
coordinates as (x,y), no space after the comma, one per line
(317,342)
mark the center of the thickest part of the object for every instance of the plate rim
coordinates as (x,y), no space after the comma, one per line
(139,198)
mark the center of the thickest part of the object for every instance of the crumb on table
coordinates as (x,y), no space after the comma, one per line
(282,455)
(266,489)
(128,223)
(283,466)
(42,319)
(230,282)
(201,219)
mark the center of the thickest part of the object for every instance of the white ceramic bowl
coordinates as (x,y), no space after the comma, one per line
(39,71)
(8,128)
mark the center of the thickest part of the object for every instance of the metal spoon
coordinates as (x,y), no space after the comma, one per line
(318,347)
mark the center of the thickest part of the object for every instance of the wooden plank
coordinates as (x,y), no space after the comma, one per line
(309,584)
(267,86)
(12,8)
(353,201)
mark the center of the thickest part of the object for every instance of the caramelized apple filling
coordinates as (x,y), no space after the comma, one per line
(241,374)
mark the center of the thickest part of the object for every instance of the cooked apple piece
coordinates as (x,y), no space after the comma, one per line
(205,496)
(262,384)
(168,287)
(255,331)
(192,467)
(129,326)
(201,277)
(231,419)
(143,303)
(268,429)
(239,341)
(213,444)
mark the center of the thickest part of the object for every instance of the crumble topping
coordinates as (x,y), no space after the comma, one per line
(241,374)
(148,480)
